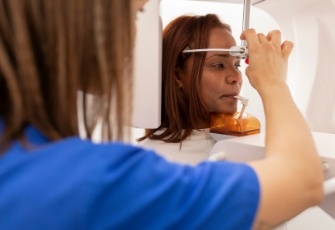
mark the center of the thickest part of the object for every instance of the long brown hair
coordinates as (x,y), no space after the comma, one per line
(50,50)
(179,112)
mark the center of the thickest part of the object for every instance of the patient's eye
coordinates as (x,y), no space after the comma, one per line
(217,66)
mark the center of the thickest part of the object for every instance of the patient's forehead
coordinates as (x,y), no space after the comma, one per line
(220,38)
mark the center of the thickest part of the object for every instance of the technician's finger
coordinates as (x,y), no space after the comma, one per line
(250,36)
(274,37)
(287,48)
(262,38)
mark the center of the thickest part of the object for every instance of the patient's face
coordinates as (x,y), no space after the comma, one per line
(221,79)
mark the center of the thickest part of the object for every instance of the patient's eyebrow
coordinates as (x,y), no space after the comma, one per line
(223,55)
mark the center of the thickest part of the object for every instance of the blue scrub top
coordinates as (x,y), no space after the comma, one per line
(76,184)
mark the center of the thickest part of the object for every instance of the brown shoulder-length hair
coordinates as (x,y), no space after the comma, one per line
(50,50)
(179,112)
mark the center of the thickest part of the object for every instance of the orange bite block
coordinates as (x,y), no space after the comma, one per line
(234,124)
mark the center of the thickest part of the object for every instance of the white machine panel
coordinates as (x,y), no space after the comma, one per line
(148,55)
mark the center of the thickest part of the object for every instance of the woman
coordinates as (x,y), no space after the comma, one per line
(195,85)
(52,179)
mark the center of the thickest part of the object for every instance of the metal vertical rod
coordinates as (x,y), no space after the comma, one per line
(246,18)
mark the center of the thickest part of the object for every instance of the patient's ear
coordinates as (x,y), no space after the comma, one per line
(178,77)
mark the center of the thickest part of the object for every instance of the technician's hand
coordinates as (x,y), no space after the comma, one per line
(268,58)
(291,165)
